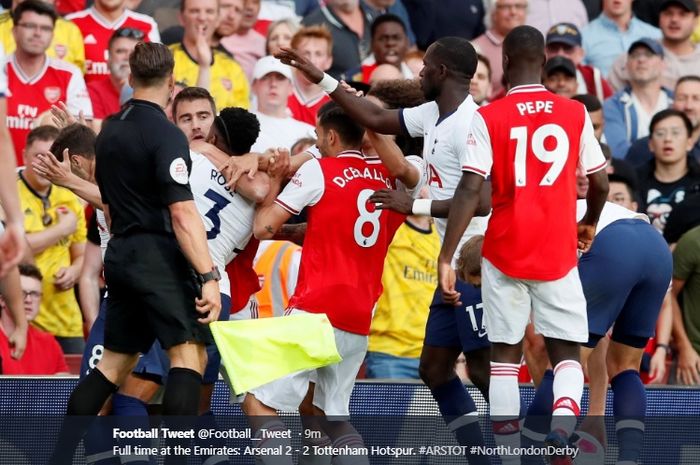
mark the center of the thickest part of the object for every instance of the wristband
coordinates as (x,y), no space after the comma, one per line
(328,83)
(421,207)
(665,347)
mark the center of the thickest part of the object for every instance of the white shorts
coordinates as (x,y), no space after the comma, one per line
(558,307)
(250,310)
(334,383)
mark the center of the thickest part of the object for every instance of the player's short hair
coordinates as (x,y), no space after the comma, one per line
(189,94)
(313,32)
(524,45)
(485,60)
(457,54)
(44,133)
(35,6)
(125,33)
(332,116)
(31,271)
(668,113)
(469,259)
(151,64)
(386,18)
(78,139)
(401,93)
(239,127)
(591,102)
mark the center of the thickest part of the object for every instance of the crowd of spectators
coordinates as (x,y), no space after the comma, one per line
(634,64)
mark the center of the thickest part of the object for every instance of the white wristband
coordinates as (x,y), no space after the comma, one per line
(328,84)
(421,207)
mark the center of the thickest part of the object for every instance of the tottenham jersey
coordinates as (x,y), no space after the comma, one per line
(227,216)
(445,142)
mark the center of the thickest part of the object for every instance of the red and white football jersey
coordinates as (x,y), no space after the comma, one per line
(30,96)
(96,33)
(346,238)
(305,110)
(531,142)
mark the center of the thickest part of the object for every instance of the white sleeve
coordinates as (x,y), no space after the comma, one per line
(154,34)
(78,98)
(590,155)
(3,73)
(412,119)
(304,189)
(417,163)
(478,157)
(313,150)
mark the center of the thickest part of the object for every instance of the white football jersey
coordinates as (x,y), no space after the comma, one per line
(611,213)
(103,230)
(444,145)
(227,216)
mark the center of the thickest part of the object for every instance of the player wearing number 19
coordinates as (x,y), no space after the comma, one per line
(530,142)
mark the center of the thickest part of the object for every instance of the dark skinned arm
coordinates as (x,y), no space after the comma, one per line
(361,110)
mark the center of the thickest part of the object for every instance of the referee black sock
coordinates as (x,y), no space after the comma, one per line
(84,403)
(181,395)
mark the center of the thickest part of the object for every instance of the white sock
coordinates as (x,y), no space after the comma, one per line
(567,389)
(504,406)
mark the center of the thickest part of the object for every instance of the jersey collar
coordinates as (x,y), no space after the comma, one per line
(104,22)
(351,154)
(29,79)
(527,88)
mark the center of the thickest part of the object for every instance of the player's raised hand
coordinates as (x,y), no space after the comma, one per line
(351,90)
(202,46)
(290,57)
(387,199)
(48,166)
(235,167)
(586,233)
(279,163)
(447,280)
(12,246)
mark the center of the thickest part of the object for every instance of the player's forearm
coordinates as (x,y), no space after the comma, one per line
(462,210)
(367,113)
(291,232)
(8,179)
(85,190)
(265,225)
(204,77)
(441,208)
(597,195)
(89,283)
(394,159)
(255,189)
(191,236)
(664,324)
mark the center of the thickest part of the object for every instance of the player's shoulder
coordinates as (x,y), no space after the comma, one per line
(64,67)
(140,17)
(80,15)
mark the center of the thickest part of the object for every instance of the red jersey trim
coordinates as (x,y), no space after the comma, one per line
(474,170)
(527,88)
(286,207)
(597,168)
(300,97)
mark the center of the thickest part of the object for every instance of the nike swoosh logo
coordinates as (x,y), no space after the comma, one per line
(482,334)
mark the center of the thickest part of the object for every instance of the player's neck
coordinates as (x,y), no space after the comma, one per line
(526,79)
(112,15)
(670,172)
(30,65)
(153,95)
(450,98)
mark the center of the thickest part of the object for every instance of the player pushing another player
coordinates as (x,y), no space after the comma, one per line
(531,143)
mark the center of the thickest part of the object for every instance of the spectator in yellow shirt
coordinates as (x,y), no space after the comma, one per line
(55,225)
(197,64)
(66,45)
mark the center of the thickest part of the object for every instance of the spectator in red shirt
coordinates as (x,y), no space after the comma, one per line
(43,355)
(104,93)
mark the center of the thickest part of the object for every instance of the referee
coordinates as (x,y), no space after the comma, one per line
(157,260)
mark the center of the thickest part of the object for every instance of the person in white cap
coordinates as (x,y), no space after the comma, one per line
(272,84)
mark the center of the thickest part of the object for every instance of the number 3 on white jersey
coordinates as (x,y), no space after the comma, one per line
(557,156)
(366,217)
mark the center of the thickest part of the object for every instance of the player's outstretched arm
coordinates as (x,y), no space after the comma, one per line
(360,109)
(394,160)
(269,217)
(12,291)
(462,210)
(387,199)
(595,201)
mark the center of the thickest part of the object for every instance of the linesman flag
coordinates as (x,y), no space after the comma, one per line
(256,352)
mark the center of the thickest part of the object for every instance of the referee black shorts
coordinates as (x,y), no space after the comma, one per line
(151,295)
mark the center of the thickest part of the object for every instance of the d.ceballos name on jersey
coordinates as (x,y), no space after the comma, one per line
(368,173)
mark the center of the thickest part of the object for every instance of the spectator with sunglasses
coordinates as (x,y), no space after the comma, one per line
(104,93)
(56,232)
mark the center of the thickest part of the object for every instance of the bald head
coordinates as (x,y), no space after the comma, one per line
(457,54)
(523,52)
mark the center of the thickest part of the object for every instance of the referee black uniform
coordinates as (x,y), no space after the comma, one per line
(143,165)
